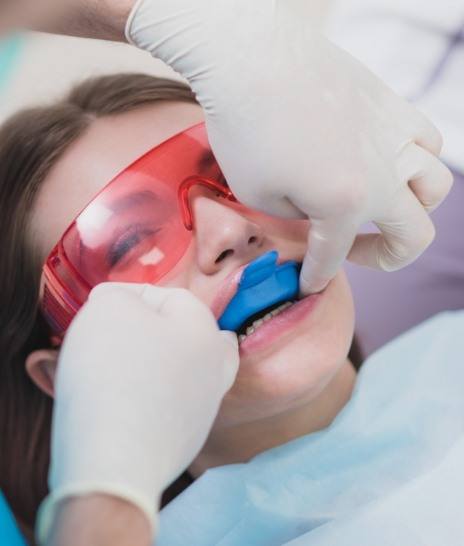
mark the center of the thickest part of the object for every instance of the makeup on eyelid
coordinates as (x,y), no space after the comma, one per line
(133,238)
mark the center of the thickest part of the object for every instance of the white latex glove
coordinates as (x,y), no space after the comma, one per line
(140,379)
(300,128)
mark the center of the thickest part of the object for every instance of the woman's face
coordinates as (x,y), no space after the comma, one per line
(287,361)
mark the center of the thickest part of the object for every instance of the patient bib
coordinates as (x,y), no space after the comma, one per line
(389,471)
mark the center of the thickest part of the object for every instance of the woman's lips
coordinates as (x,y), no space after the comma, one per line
(227,292)
(268,334)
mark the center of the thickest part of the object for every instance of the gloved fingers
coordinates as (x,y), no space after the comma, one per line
(365,250)
(404,236)
(230,338)
(329,242)
(145,291)
(410,122)
(156,297)
(429,178)
(185,307)
(423,131)
(231,358)
(430,138)
(139,290)
(176,303)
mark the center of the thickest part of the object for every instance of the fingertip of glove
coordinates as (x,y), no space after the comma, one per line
(230,337)
(310,286)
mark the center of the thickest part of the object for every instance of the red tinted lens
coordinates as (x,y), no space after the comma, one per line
(133,231)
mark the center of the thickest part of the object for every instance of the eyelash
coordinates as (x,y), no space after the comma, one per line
(133,236)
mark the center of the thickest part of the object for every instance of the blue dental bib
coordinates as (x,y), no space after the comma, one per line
(263,284)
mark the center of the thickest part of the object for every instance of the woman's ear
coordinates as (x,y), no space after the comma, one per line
(41,367)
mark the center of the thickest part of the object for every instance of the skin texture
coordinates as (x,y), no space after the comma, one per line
(102,19)
(302,380)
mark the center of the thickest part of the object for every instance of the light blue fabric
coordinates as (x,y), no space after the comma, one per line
(389,471)
(9,51)
(9,533)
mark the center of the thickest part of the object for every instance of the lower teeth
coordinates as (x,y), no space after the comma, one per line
(259,322)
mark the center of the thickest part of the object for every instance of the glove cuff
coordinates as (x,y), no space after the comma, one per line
(48,508)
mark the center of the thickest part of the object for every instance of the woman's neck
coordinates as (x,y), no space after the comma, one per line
(242,442)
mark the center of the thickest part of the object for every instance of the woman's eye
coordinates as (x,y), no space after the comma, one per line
(129,240)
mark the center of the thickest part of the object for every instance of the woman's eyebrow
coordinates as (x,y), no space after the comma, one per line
(133,200)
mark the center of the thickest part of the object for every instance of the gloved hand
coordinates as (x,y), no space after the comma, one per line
(301,129)
(141,375)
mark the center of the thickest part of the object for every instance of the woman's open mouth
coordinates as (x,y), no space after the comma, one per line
(266,303)
(251,325)
(264,332)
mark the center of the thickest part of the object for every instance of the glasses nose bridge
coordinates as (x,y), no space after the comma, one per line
(183,195)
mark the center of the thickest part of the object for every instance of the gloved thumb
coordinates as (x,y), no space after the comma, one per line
(329,242)
(231,358)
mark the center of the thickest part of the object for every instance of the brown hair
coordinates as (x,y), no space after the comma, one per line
(31,142)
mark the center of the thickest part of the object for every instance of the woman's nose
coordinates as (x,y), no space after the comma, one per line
(223,235)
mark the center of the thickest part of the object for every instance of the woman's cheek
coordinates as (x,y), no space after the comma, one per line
(181,276)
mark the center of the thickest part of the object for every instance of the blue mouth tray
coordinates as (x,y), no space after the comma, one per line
(263,283)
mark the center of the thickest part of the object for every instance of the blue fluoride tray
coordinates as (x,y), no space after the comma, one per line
(264,283)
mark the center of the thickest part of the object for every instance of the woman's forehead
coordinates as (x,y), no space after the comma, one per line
(108,146)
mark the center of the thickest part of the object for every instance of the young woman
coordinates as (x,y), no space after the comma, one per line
(53,161)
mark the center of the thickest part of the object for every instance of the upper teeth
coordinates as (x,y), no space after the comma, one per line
(259,322)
